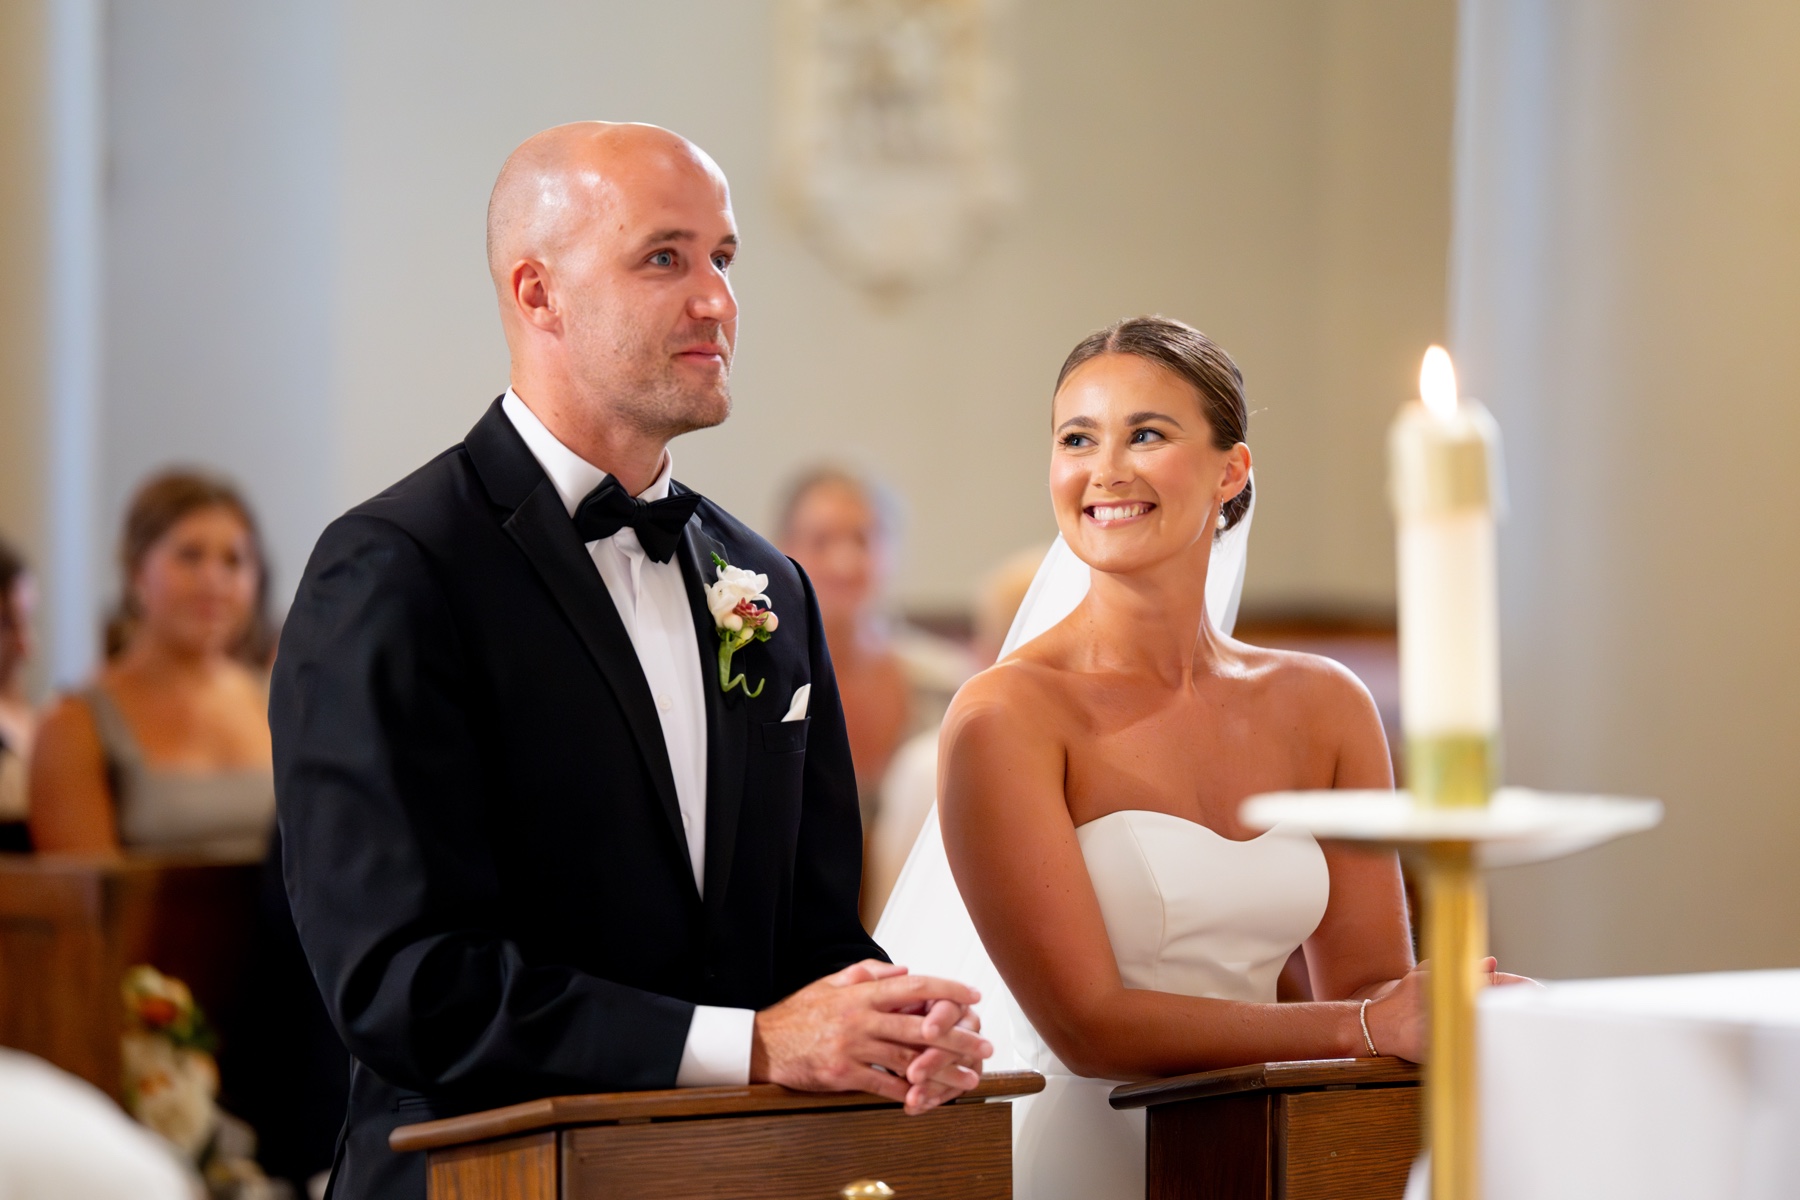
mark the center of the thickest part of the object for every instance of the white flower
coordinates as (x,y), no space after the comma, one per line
(734,587)
(171,1089)
(740,610)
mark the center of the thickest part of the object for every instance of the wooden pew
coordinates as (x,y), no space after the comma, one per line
(71,925)
(1330,1129)
(748,1143)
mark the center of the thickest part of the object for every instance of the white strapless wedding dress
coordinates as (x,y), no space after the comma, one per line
(1187,911)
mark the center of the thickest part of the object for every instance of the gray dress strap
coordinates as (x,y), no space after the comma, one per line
(117,742)
(227,813)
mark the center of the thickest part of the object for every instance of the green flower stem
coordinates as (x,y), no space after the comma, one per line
(729,644)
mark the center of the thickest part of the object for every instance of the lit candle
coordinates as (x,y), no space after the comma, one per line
(1443,462)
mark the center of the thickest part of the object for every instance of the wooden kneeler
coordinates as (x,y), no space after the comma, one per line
(761,1142)
(1330,1129)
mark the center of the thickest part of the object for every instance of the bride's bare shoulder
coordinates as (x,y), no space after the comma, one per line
(1003,745)
(1319,685)
(1021,699)
(1329,706)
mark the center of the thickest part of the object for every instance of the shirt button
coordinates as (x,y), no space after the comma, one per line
(664,703)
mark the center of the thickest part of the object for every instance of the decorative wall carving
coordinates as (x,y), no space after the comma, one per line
(894,133)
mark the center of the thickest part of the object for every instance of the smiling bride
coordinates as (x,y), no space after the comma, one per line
(1129,924)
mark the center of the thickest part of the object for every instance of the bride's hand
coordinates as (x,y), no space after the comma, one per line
(1396,1015)
(1397,1010)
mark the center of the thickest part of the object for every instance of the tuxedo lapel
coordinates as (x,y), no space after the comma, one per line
(542,529)
(726,720)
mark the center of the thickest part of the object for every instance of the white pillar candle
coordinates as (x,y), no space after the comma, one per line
(1444,477)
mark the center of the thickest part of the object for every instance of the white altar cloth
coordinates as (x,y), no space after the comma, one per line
(1684,1087)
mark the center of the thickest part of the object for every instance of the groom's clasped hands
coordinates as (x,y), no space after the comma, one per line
(873,1027)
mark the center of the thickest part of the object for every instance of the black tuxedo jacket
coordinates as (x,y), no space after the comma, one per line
(482,844)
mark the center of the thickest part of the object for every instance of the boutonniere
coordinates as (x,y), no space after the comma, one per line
(739,618)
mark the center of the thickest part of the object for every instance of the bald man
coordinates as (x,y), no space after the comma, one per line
(533,842)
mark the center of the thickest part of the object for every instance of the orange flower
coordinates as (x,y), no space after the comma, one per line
(157,1012)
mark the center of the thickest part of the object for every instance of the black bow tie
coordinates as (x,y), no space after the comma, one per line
(658,523)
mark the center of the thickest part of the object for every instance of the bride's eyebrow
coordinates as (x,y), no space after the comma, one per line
(1138,418)
(1078,423)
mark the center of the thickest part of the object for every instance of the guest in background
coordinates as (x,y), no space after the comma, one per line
(17,722)
(168,748)
(909,788)
(894,680)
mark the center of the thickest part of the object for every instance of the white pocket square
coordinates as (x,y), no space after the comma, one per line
(797,708)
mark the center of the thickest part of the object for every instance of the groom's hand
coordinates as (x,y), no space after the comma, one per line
(936,1076)
(833,1035)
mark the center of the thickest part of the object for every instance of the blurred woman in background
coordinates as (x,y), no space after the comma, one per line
(168,748)
(894,680)
(18,723)
(838,530)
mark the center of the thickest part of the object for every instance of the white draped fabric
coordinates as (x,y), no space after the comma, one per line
(1655,1088)
(61,1139)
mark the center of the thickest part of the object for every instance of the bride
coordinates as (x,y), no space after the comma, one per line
(1129,924)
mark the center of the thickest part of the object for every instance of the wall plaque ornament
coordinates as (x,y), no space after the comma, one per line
(892,134)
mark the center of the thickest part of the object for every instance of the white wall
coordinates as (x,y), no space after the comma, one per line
(1626,291)
(24,159)
(294,289)
(1276,173)
(222,123)
(294,292)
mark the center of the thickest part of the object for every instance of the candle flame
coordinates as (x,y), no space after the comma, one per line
(1437,382)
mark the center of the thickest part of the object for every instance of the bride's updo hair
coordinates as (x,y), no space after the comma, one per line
(1192,357)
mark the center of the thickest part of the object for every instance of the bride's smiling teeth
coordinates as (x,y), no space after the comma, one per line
(1119,512)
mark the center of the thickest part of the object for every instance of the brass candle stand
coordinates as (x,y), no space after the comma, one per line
(1451,847)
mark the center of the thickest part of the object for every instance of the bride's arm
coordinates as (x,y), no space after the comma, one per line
(1363,943)
(1017,862)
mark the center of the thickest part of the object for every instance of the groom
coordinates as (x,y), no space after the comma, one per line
(533,843)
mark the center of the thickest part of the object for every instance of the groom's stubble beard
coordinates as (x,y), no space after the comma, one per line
(656,397)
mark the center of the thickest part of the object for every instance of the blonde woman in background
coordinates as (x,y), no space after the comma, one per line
(168,747)
(18,724)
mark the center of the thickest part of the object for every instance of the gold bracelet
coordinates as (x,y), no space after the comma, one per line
(1362,1015)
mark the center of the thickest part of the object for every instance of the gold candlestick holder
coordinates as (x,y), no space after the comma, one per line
(1452,847)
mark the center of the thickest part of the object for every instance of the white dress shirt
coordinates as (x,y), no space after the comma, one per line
(653,604)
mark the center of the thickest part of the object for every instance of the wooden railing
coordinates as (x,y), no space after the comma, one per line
(70,926)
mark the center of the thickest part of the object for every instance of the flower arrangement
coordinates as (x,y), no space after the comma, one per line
(171,1084)
(171,1078)
(741,613)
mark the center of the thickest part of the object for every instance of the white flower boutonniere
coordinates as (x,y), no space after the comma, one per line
(739,618)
